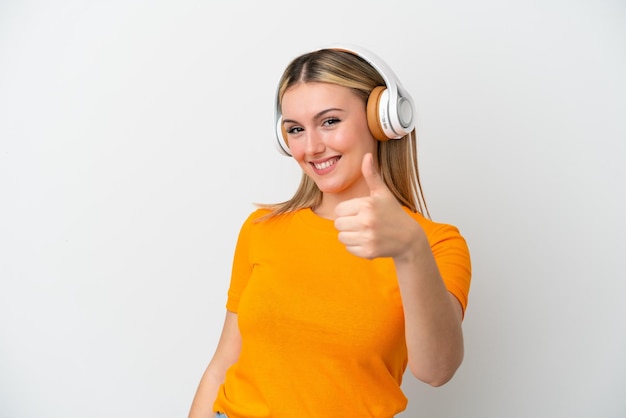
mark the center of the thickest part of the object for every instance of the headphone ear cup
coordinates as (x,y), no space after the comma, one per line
(283,132)
(373,113)
(281,136)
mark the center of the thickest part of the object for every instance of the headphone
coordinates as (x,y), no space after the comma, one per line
(390,108)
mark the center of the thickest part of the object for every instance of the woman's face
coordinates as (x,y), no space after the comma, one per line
(328,136)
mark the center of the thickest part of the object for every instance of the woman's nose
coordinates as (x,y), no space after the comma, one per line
(314,143)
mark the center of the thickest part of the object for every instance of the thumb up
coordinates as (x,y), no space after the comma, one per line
(373,178)
(375,225)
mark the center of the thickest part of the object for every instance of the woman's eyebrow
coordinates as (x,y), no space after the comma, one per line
(317,115)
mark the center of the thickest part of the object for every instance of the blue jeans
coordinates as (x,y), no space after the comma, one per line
(220,415)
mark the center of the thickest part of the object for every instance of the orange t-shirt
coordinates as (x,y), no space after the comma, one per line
(322,329)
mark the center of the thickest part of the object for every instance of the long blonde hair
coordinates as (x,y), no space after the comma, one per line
(397,159)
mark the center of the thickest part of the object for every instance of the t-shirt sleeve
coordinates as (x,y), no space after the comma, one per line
(241,267)
(453,260)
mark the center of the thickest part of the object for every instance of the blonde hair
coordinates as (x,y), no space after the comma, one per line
(397,159)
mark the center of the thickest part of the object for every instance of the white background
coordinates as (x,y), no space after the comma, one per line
(136,136)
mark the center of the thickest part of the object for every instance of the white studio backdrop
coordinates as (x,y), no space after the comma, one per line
(135,137)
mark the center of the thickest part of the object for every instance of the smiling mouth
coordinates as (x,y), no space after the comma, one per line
(325,164)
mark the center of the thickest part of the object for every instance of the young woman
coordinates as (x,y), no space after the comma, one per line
(335,291)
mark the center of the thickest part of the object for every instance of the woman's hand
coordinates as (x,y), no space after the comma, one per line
(375,225)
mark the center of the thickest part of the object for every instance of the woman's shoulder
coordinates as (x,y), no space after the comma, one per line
(433,228)
(262,215)
(258,213)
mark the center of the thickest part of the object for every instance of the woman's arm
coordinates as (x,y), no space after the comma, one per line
(226,354)
(432,315)
(377,226)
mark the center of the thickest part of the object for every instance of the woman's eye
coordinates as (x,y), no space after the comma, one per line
(294,130)
(331,121)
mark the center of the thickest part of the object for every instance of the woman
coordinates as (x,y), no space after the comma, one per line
(335,291)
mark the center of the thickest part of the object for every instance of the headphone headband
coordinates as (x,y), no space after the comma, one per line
(390,112)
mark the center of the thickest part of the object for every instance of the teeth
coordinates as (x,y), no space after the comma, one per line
(325,164)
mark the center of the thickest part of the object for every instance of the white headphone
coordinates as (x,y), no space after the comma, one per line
(390,108)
